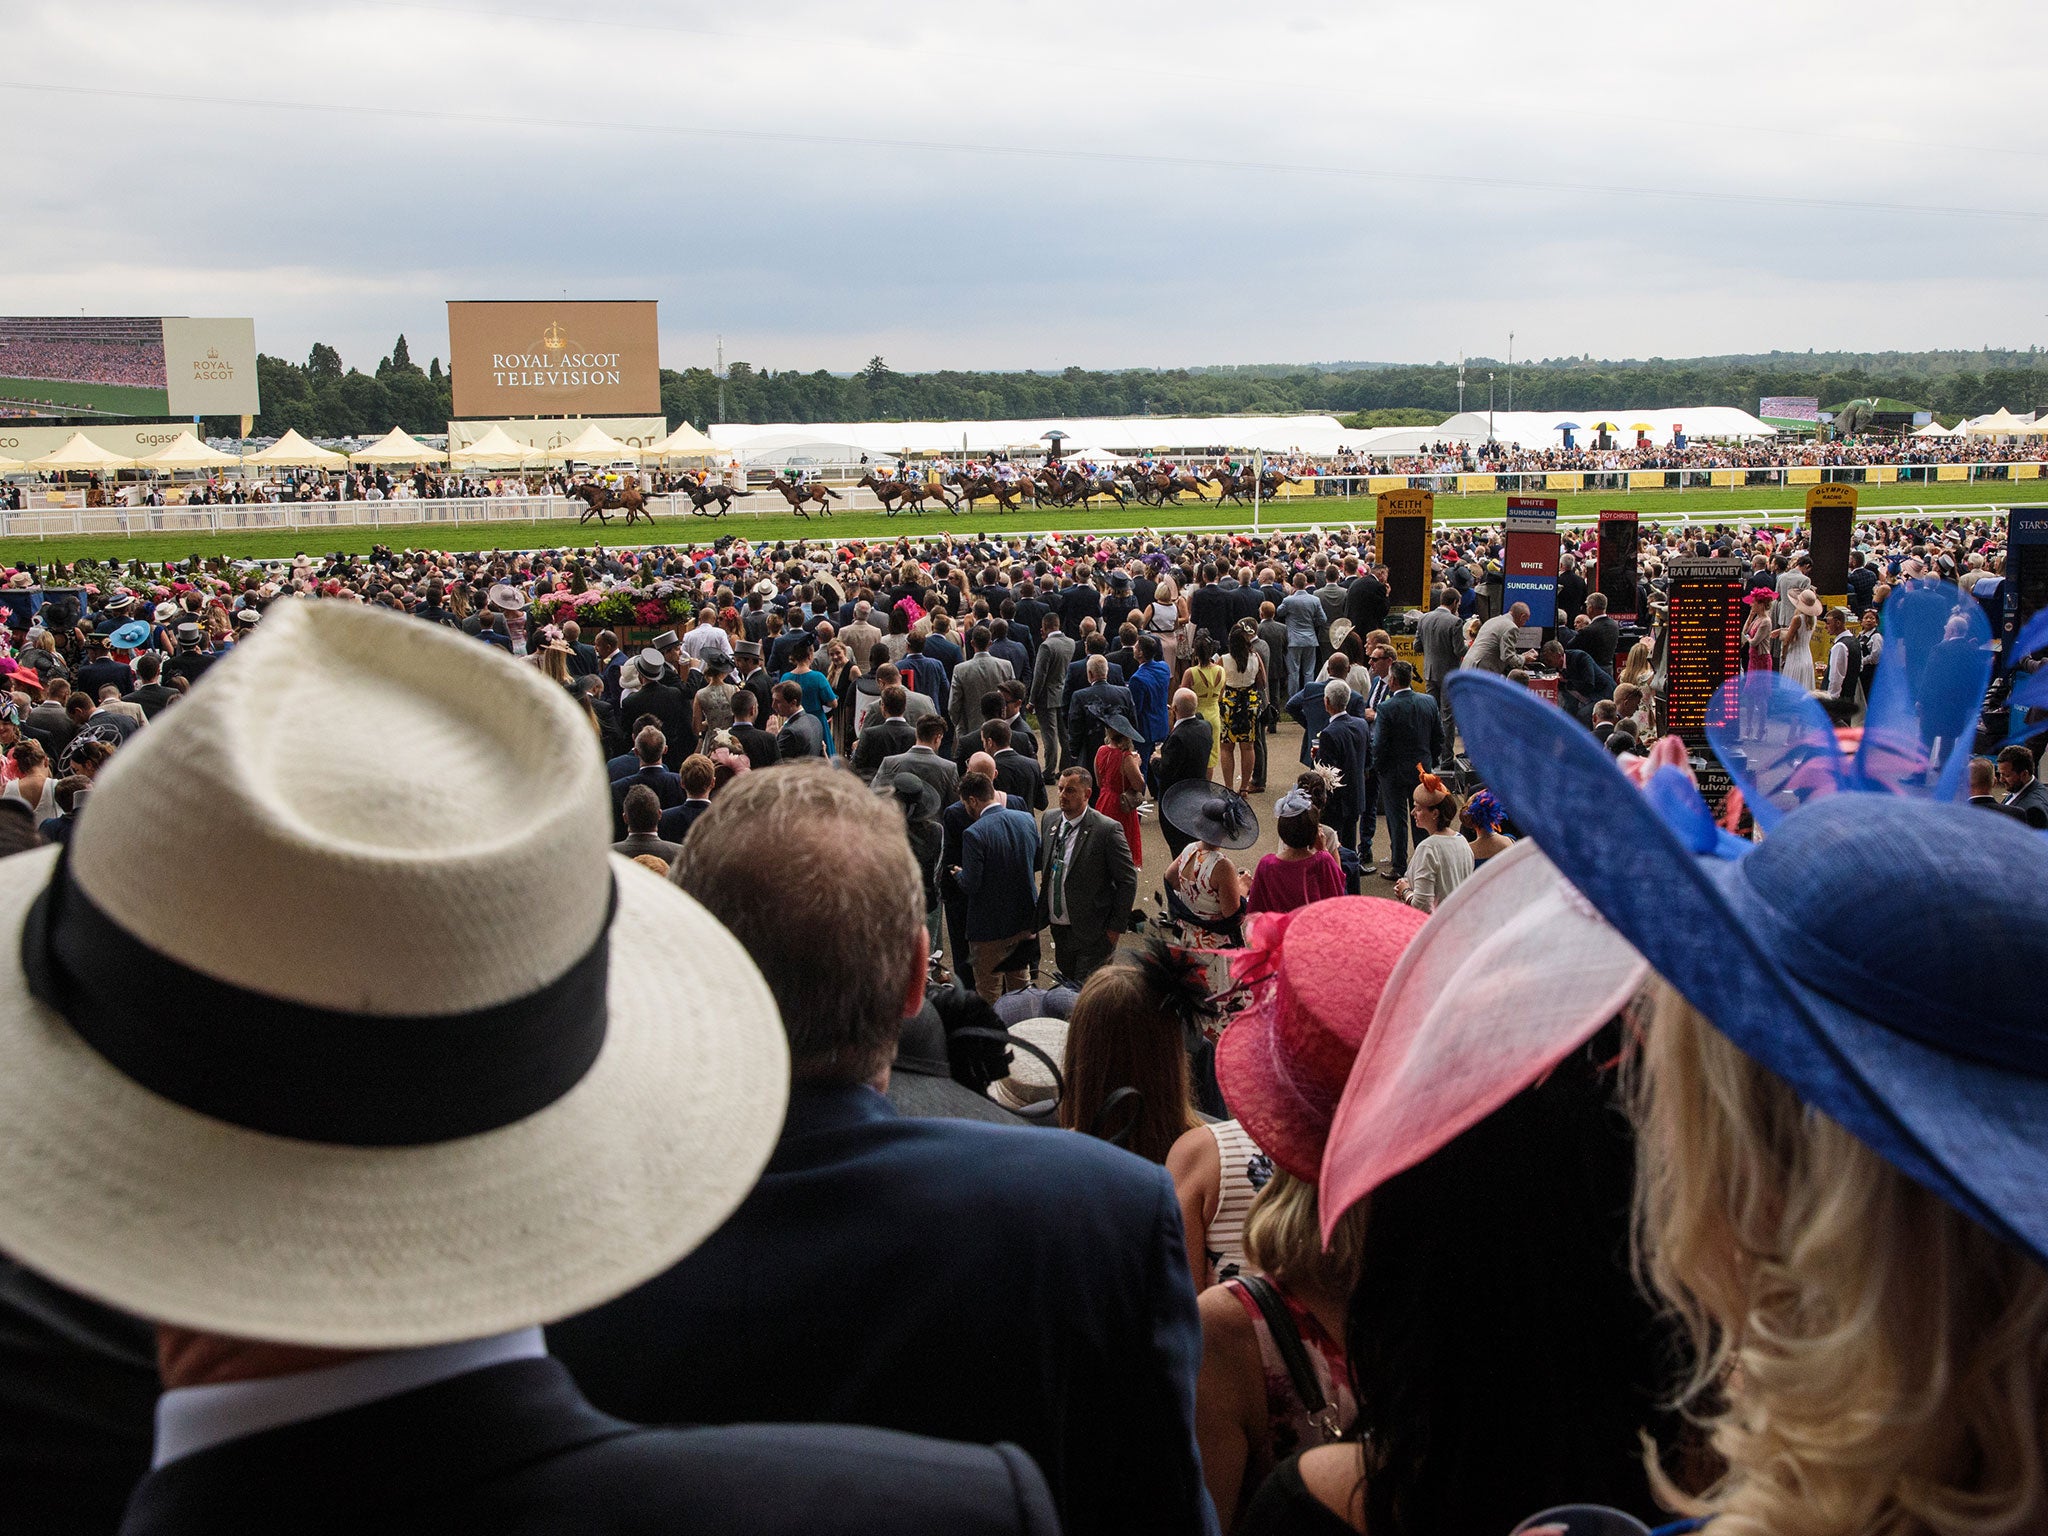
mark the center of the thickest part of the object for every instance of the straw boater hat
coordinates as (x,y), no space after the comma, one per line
(285,1053)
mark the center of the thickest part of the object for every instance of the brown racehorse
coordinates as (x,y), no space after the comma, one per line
(917,492)
(1234,487)
(1160,486)
(973,488)
(888,492)
(801,497)
(1077,489)
(702,496)
(600,501)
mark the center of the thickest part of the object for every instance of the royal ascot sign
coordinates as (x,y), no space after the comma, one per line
(566,359)
(210,367)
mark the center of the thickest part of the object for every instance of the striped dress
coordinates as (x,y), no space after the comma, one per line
(1245,1170)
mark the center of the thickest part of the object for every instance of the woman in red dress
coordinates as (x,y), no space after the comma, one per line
(1120,781)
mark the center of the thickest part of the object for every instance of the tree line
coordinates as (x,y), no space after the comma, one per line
(322,398)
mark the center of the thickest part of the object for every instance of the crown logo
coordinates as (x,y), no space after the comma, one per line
(554,337)
(213,351)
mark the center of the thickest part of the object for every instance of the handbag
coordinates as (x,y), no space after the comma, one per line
(1322,1413)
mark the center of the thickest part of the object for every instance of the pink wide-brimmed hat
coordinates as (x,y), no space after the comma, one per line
(1283,1062)
(1513,973)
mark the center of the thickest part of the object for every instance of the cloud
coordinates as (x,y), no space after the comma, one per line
(1003,185)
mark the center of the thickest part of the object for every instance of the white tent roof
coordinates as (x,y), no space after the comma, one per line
(593,445)
(294,451)
(497,450)
(1539,429)
(398,447)
(9,466)
(81,453)
(1933,429)
(2000,422)
(1118,434)
(186,452)
(686,442)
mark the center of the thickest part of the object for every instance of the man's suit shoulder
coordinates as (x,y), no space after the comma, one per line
(773,1479)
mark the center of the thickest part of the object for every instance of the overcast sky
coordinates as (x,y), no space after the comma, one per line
(1007,185)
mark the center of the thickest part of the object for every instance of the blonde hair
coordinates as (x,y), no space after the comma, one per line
(1639,667)
(1867,1360)
(1283,1236)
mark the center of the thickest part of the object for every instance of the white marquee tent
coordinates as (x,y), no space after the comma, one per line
(1540,429)
(1126,435)
(293,451)
(398,447)
(593,445)
(80,453)
(186,452)
(496,450)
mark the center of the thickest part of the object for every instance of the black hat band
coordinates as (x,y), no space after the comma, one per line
(309,1073)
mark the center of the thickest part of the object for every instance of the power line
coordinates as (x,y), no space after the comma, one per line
(1434,179)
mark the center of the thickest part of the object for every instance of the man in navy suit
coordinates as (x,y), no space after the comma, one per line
(649,745)
(1102,699)
(1407,737)
(1001,1283)
(998,857)
(1346,745)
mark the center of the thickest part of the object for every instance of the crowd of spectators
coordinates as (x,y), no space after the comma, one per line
(30,350)
(760,1002)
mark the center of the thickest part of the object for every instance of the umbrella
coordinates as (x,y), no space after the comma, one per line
(1566,426)
(1606,426)
(1642,426)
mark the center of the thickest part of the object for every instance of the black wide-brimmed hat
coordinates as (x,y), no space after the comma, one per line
(1210,813)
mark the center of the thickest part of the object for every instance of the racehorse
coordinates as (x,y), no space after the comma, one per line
(600,501)
(917,492)
(1159,486)
(888,492)
(799,496)
(974,487)
(701,497)
(1077,489)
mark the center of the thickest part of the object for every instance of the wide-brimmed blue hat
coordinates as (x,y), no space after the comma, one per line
(1880,950)
(130,636)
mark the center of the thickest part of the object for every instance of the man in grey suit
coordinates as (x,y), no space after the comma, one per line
(795,729)
(925,760)
(1087,881)
(1495,648)
(1440,637)
(1049,685)
(974,680)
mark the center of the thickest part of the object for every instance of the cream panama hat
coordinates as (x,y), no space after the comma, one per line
(286,1052)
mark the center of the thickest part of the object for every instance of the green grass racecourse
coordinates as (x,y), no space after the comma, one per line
(1298,512)
(105,399)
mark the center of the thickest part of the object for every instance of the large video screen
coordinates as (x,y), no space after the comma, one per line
(583,358)
(126,365)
